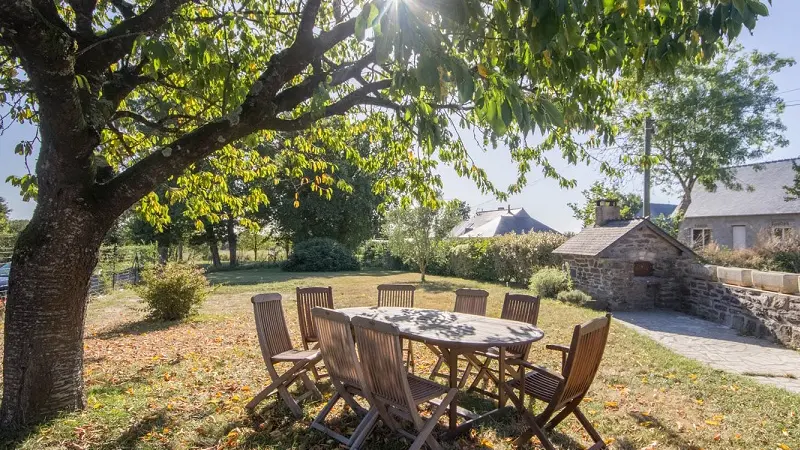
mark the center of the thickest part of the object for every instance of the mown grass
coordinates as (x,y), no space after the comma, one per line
(161,385)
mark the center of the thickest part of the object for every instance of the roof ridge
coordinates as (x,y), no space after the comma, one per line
(796,158)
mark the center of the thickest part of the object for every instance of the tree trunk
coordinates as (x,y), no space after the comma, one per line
(163,254)
(51,266)
(232,243)
(422,267)
(686,200)
(211,238)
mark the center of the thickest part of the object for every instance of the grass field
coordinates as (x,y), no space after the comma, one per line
(184,385)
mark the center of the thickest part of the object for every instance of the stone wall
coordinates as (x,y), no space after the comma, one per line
(749,310)
(609,277)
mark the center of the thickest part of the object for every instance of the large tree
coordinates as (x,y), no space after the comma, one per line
(708,117)
(629,203)
(128,94)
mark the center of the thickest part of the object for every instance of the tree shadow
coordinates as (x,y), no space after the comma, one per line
(135,328)
(438,286)
(130,439)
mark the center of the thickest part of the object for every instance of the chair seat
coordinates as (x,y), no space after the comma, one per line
(539,384)
(296,355)
(494,352)
(423,390)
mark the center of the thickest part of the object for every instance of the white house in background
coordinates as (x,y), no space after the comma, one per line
(496,222)
(734,218)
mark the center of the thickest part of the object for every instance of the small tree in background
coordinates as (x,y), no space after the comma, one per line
(629,204)
(4,211)
(415,233)
(253,240)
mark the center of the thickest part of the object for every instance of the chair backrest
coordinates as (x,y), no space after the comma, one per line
(521,308)
(396,295)
(471,301)
(585,352)
(273,336)
(337,346)
(307,299)
(382,366)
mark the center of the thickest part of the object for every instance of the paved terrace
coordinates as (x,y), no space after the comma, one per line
(719,346)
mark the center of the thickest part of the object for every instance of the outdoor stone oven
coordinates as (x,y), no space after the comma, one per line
(626,264)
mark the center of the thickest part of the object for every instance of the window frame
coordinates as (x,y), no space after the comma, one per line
(706,235)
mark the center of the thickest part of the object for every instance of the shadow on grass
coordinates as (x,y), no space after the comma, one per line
(132,436)
(135,328)
(251,277)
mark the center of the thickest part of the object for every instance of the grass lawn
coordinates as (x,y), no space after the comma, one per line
(184,385)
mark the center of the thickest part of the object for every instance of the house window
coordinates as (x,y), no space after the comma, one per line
(701,237)
(782,231)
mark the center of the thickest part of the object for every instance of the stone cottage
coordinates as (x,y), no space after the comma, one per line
(626,264)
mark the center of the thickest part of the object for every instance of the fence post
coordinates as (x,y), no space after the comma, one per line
(114,268)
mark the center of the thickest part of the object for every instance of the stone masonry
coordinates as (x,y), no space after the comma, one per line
(748,310)
(609,278)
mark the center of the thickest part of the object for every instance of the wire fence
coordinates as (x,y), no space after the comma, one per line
(117,266)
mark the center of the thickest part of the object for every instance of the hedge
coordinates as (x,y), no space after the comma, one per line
(509,258)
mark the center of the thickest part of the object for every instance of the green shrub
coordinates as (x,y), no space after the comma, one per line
(470,258)
(575,296)
(515,256)
(173,291)
(769,253)
(320,255)
(376,254)
(548,282)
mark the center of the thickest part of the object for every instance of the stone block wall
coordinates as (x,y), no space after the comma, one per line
(751,311)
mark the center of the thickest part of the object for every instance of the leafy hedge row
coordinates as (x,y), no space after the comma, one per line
(769,253)
(509,258)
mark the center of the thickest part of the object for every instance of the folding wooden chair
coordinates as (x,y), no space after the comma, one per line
(563,392)
(276,348)
(339,353)
(517,307)
(468,301)
(394,392)
(399,296)
(307,299)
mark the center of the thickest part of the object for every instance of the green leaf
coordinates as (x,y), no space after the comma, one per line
(741,5)
(759,8)
(556,117)
(466,87)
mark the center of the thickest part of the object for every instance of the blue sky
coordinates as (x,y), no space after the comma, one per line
(542,198)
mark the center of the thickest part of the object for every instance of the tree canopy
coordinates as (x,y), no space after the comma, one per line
(127,95)
(629,203)
(707,117)
(4,219)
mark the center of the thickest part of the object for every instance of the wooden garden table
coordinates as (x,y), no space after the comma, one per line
(456,334)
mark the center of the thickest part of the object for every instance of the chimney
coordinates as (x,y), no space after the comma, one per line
(605,211)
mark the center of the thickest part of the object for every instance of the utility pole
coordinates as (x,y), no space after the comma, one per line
(648,137)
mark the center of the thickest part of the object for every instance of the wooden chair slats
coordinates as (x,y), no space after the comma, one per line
(471,301)
(396,295)
(519,308)
(468,301)
(276,348)
(399,296)
(564,393)
(394,392)
(339,353)
(307,299)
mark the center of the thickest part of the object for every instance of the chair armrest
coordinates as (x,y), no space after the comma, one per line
(559,347)
(564,351)
(543,371)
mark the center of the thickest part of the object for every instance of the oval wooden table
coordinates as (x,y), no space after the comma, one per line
(455,334)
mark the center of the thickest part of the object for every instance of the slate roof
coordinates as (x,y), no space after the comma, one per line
(591,241)
(498,222)
(658,209)
(767,196)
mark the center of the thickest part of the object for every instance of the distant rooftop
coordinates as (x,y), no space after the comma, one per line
(591,241)
(497,222)
(762,192)
(658,209)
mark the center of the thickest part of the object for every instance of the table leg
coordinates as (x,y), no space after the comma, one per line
(502,378)
(452,361)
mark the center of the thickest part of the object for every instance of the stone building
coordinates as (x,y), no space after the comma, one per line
(626,264)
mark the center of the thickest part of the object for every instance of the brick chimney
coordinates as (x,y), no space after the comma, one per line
(605,211)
